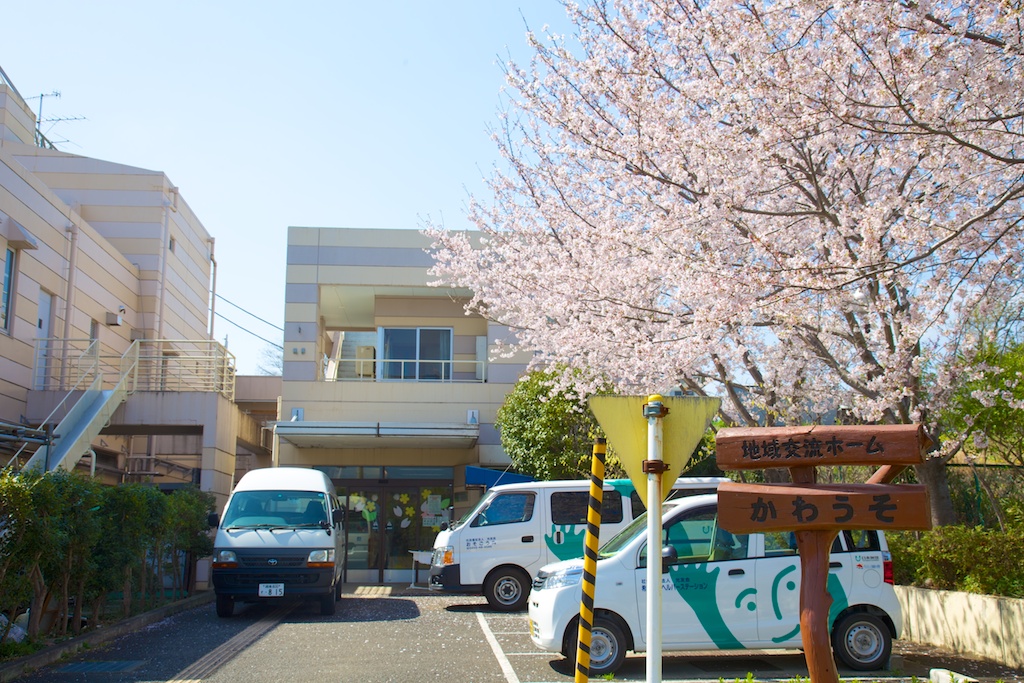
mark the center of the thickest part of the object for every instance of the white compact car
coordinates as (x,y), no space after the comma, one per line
(719,591)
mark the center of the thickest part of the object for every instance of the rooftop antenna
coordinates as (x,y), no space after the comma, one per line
(39,112)
(41,139)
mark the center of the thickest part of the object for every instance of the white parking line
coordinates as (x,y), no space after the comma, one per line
(499,654)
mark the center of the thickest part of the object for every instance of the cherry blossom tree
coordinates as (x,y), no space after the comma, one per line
(795,205)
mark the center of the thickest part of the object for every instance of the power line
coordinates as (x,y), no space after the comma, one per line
(280,329)
(274,344)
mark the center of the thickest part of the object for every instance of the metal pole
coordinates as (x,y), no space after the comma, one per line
(654,466)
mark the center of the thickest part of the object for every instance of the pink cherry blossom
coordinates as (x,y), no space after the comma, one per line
(795,205)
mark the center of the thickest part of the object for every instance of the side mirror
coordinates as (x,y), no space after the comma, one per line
(213,519)
(444,526)
(669,557)
(337,516)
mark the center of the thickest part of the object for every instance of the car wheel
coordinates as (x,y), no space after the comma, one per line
(507,589)
(607,648)
(862,642)
(225,606)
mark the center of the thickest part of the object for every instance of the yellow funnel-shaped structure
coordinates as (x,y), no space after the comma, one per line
(623,421)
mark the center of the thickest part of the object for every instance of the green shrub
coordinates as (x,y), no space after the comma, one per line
(971,559)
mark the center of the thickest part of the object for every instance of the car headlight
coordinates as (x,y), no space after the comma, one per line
(443,556)
(561,579)
(320,558)
(224,559)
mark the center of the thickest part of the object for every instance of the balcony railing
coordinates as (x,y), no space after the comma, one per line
(159,365)
(404,370)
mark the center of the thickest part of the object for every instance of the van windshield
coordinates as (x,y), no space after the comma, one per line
(272,509)
(628,533)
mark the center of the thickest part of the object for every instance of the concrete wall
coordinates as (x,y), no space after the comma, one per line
(983,625)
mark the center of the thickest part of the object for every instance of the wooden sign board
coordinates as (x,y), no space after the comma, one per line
(742,448)
(753,508)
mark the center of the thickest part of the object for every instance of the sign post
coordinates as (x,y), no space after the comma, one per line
(816,513)
(585,631)
(674,427)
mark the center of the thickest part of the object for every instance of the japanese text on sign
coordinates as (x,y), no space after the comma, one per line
(808,447)
(760,447)
(841,511)
(749,508)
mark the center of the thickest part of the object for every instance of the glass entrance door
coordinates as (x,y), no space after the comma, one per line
(385,523)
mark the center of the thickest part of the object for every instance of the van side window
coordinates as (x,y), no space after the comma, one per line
(778,543)
(690,534)
(860,540)
(728,546)
(571,507)
(507,508)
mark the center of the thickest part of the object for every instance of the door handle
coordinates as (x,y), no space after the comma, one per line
(527,539)
(835,565)
(736,572)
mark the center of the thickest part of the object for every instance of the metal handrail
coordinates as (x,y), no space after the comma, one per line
(89,372)
(147,365)
(368,370)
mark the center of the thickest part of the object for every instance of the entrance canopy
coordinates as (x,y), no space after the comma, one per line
(377,434)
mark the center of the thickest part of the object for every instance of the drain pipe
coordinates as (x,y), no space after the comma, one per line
(213,285)
(169,205)
(69,299)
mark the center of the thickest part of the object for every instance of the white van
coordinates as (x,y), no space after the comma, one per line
(280,538)
(720,591)
(518,528)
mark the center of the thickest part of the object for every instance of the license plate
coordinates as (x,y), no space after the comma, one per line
(271,590)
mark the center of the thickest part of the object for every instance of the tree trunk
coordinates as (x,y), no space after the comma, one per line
(62,610)
(76,625)
(932,473)
(40,598)
(126,597)
(98,606)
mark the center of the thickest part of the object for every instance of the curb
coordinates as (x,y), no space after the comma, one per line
(17,667)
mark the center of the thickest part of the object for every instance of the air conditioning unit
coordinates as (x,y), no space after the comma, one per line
(114,319)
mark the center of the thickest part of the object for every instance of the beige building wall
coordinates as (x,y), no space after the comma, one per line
(142,216)
(47,298)
(113,253)
(359,280)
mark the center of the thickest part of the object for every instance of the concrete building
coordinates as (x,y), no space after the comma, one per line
(108,361)
(389,387)
(107,355)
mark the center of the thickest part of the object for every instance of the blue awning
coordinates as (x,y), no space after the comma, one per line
(475,476)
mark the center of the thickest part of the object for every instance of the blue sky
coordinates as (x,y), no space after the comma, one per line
(270,114)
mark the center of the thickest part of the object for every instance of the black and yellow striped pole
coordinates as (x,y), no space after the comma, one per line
(590,561)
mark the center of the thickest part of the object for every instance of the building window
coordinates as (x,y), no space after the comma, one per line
(5,304)
(418,353)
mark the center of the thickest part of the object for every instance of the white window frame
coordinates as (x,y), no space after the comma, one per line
(384,361)
(7,302)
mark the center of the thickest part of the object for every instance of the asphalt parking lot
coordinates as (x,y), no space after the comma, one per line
(405,635)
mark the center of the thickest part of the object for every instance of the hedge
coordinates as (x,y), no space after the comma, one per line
(68,541)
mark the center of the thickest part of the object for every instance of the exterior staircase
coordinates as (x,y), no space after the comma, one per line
(90,412)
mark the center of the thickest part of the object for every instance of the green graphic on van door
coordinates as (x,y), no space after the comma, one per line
(697,585)
(840,601)
(571,545)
